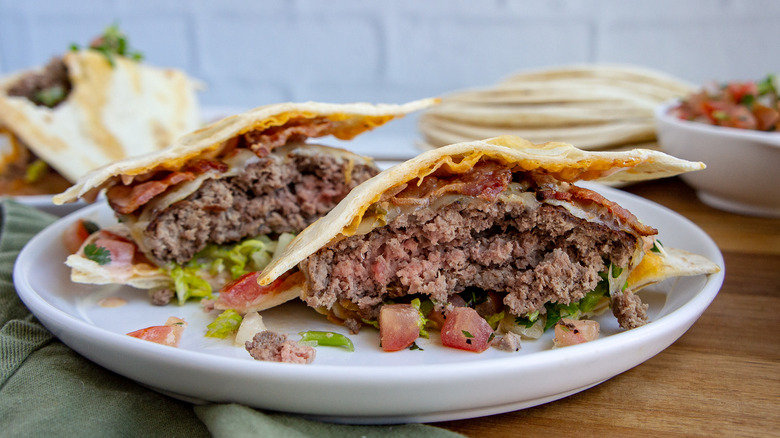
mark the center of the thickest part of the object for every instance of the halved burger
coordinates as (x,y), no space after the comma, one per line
(212,208)
(87,108)
(498,227)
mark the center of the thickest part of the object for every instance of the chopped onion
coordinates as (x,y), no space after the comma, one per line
(252,324)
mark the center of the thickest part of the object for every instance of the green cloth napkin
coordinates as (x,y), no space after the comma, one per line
(47,388)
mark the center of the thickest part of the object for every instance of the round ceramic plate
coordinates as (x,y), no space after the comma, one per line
(44,203)
(367,385)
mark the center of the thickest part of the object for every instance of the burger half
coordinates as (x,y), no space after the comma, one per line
(212,208)
(87,108)
(498,226)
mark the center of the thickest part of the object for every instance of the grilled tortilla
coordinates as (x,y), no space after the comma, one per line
(500,215)
(201,204)
(109,113)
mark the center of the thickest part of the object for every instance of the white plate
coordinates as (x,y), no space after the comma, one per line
(44,203)
(366,386)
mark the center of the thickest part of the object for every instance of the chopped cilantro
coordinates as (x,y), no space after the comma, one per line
(97,254)
(525,322)
(113,42)
(474,297)
(748,100)
(767,86)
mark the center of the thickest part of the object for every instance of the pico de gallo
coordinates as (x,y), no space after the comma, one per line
(744,105)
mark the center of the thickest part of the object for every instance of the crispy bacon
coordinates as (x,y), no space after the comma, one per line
(485,180)
(262,142)
(488,179)
(127,199)
(202,166)
(589,196)
(137,190)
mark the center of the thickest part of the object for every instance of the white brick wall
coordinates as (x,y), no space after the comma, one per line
(252,53)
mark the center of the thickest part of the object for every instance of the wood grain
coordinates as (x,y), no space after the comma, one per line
(721,378)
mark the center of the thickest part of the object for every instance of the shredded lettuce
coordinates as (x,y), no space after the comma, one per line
(189,284)
(494,319)
(583,307)
(226,324)
(250,255)
(247,256)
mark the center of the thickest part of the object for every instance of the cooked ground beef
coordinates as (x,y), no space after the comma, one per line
(53,80)
(269,197)
(532,255)
(507,342)
(275,347)
(629,310)
(162,297)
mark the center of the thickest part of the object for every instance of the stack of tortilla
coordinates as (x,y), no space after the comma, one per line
(592,106)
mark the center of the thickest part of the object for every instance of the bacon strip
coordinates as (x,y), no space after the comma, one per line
(485,180)
(589,196)
(261,142)
(488,179)
(141,189)
(127,199)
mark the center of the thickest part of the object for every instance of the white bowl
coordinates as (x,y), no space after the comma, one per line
(743,166)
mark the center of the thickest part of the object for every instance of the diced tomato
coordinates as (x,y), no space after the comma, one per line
(127,199)
(168,334)
(74,236)
(246,295)
(742,105)
(399,326)
(573,331)
(738,90)
(437,317)
(466,330)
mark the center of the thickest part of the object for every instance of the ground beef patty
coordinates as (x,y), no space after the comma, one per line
(534,255)
(269,197)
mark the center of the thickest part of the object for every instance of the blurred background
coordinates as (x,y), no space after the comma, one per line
(254,53)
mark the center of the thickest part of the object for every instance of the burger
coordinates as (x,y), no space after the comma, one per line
(215,207)
(483,236)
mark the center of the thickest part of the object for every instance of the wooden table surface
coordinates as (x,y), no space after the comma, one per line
(721,378)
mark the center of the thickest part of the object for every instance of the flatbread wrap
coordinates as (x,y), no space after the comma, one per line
(501,219)
(213,207)
(85,109)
